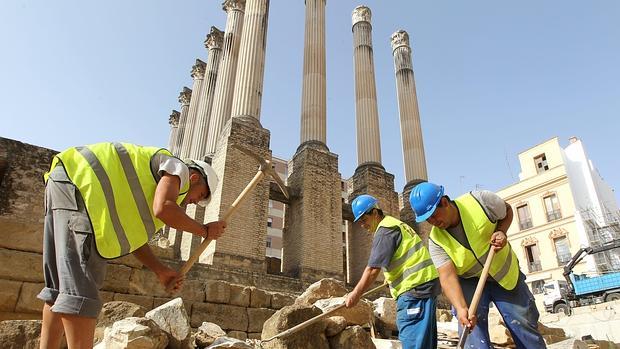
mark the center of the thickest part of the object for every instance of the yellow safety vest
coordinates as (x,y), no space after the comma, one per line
(411,264)
(118,188)
(478,229)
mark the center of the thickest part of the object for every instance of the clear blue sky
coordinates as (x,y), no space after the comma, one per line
(493,78)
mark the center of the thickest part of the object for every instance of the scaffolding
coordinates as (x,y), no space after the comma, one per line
(603,229)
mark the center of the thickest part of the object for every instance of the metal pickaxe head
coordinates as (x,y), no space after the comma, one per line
(267,168)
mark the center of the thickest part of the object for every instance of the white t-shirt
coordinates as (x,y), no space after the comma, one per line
(161,163)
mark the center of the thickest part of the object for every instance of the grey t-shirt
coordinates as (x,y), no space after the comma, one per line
(384,244)
(494,207)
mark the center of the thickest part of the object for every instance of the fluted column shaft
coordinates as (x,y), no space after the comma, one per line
(410,128)
(213,43)
(313,95)
(184,98)
(251,64)
(225,84)
(367,115)
(198,74)
(174,127)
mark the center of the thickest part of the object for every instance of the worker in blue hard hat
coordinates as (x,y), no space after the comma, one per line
(408,269)
(464,230)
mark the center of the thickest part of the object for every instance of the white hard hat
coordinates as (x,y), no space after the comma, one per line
(208,173)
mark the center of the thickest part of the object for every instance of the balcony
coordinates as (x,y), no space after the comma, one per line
(563,258)
(553,215)
(534,266)
(525,224)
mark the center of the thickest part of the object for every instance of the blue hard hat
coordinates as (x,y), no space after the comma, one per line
(424,198)
(362,204)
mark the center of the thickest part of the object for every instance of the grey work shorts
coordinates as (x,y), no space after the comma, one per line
(73,269)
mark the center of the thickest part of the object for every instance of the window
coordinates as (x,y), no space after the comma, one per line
(525,219)
(541,163)
(562,250)
(268,241)
(552,207)
(269,222)
(538,286)
(532,255)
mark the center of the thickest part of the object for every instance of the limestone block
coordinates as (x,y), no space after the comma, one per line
(280,300)
(385,312)
(21,236)
(226,342)
(257,317)
(117,278)
(21,266)
(28,301)
(500,335)
(240,335)
(145,282)
(240,295)
(353,337)
(254,335)
(158,301)
(145,301)
(387,344)
(134,333)
(172,318)
(207,333)
(217,291)
(9,291)
(312,336)
(335,325)
(20,334)
(324,288)
(127,260)
(193,290)
(259,298)
(106,296)
(114,311)
(228,317)
(19,316)
(360,314)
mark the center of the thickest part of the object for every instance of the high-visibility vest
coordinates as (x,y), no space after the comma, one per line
(411,264)
(478,230)
(118,188)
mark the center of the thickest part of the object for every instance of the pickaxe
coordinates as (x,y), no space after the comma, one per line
(264,169)
(477,295)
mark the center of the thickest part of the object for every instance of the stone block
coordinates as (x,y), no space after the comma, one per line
(312,336)
(21,266)
(240,295)
(207,333)
(280,300)
(322,289)
(172,318)
(159,301)
(257,317)
(114,311)
(127,260)
(162,252)
(193,290)
(360,314)
(217,291)
(28,301)
(9,292)
(259,298)
(335,325)
(106,296)
(145,282)
(354,337)
(240,335)
(117,278)
(228,317)
(255,335)
(134,333)
(19,316)
(20,334)
(22,236)
(145,301)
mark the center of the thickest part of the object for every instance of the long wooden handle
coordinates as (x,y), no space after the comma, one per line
(193,258)
(477,295)
(320,316)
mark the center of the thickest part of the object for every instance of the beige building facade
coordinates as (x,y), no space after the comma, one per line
(560,205)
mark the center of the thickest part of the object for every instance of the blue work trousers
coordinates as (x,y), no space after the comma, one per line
(516,306)
(416,321)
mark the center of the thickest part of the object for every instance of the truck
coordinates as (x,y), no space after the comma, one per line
(579,290)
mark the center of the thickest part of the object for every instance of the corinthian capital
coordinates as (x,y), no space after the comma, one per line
(361,14)
(399,38)
(185,96)
(233,5)
(198,70)
(174,118)
(214,39)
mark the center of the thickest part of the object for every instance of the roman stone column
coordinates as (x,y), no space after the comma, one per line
(370,176)
(184,98)
(313,220)
(313,100)
(410,128)
(366,114)
(198,74)
(243,245)
(213,43)
(225,84)
(174,127)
